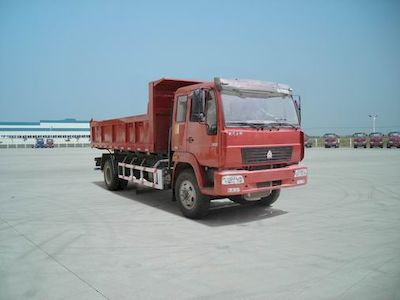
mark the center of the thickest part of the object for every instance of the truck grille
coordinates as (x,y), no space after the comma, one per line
(266,154)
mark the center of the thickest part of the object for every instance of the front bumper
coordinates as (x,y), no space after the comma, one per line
(258,181)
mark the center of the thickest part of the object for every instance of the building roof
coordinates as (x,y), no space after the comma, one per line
(42,129)
(43,121)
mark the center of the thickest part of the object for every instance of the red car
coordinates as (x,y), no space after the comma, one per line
(360,140)
(394,139)
(376,140)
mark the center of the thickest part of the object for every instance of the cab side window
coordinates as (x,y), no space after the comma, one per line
(211,113)
(181,109)
(197,106)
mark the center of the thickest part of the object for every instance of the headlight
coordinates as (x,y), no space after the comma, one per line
(300,173)
(232,179)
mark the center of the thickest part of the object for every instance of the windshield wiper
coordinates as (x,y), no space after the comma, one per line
(282,124)
(242,123)
(259,125)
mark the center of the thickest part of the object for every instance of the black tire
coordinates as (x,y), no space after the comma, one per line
(192,202)
(365,147)
(355,147)
(111,179)
(271,198)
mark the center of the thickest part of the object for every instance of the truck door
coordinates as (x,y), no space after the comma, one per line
(179,127)
(202,138)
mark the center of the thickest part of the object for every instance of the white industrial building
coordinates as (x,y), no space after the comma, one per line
(64,133)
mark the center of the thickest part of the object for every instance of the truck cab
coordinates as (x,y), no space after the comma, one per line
(393,139)
(376,140)
(360,140)
(39,143)
(49,143)
(307,141)
(331,140)
(241,138)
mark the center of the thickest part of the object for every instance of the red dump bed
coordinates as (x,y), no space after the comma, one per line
(145,133)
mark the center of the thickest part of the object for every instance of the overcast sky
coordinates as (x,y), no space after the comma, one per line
(93,59)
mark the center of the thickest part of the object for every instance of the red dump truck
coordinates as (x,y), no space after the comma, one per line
(205,140)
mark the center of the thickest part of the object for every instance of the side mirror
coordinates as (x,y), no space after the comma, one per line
(297,103)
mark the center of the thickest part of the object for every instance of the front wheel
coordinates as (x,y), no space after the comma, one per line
(192,202)
(271,198)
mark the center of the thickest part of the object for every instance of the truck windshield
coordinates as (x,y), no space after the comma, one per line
(256,111)
(359,135)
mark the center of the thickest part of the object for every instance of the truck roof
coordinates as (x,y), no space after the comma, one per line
(253,87)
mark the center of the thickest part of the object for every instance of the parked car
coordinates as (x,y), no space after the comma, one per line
(307,141)
(49,143)
(360,140)
(393,139)
(376,140)
(331,140)
(39,143)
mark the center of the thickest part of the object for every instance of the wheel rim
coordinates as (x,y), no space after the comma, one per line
(108,175)
(187,194)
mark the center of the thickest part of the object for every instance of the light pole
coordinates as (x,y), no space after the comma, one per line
(373,121)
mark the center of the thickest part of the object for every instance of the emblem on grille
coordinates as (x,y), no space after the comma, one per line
(269,154)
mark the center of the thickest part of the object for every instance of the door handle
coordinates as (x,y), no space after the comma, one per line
(190,139)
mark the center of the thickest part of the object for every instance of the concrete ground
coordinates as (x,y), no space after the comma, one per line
(63,236)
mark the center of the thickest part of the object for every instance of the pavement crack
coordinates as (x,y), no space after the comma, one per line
(54,259)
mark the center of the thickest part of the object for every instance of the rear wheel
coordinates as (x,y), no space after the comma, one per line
(271,198)
(113,183)
(192,202)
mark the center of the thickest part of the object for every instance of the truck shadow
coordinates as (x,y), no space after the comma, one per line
(222,212)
